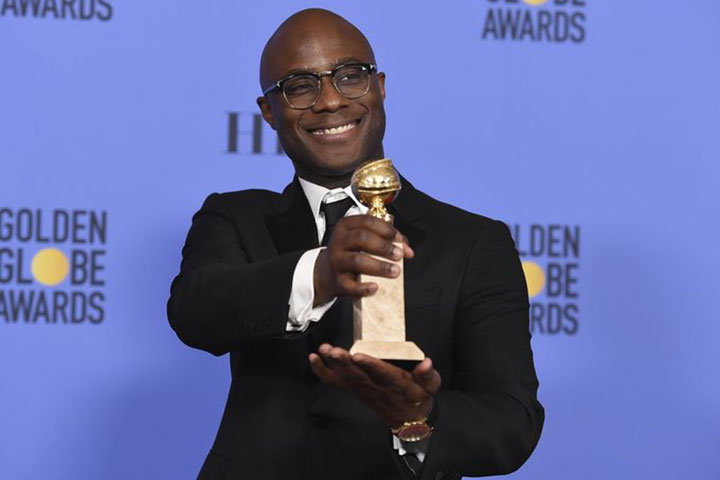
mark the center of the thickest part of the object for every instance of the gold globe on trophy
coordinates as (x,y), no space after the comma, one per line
(376,184)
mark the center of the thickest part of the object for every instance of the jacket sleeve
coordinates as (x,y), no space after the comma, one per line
(219,298)
(488,418)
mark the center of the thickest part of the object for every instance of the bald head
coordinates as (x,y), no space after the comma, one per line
(328,139)
(302,36)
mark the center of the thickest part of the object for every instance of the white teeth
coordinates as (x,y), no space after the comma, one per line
(334,130)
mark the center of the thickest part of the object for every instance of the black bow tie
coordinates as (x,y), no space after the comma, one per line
(333,213)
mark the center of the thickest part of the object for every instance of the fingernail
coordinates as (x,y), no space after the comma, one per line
(395,270)
(397,253)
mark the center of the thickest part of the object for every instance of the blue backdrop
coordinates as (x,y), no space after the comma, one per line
(590,127)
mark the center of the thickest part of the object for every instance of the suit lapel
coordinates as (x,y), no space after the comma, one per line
(406,210)
(292,227)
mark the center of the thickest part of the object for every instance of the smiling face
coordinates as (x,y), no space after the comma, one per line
(327,141)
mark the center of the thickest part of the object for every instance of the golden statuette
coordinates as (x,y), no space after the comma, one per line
(376,184)
(379,320)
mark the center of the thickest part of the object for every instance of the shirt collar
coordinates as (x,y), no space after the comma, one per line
(316,193)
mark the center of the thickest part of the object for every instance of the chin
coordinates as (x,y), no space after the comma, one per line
(340,171)
(337,166)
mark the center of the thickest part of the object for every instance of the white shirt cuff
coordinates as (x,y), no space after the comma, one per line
(397,445)
(302,294)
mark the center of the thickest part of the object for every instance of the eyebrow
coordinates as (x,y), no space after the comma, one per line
(335,64)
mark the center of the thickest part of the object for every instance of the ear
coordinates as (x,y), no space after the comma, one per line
(266,110)
(381,84)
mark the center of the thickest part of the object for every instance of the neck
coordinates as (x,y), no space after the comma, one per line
(329,182)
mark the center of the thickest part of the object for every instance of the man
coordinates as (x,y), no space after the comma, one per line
(257,281)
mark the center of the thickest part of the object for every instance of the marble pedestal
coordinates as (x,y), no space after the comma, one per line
(379,320)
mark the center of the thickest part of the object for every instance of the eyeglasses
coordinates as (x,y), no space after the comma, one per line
(302,90)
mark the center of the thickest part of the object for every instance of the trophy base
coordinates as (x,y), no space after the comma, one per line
(388,350)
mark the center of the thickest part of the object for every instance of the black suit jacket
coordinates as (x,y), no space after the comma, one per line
(466,308)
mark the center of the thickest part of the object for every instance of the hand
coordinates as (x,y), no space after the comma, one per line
(346,256)
(396,395)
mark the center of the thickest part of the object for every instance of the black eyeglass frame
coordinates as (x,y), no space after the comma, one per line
(370,67)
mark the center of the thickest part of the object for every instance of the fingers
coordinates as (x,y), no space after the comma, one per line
(367,222)
(321,371)
(358,262)
(374,236)
(334,356)
(339,361)
(358,246)
(350,286)
(331,279)
(393,393)
(423,368)
(377,371)
(386,375)
(408,252)
(427,377)
(367,241)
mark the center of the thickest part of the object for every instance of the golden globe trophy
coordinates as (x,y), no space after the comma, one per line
(379,320)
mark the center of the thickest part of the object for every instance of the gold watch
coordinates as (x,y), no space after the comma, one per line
(414,431)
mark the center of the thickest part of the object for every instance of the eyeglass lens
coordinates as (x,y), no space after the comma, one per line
(303,91)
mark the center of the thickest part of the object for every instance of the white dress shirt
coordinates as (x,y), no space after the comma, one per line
(302,294)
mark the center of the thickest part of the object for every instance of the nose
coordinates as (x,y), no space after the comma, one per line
(330,99)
